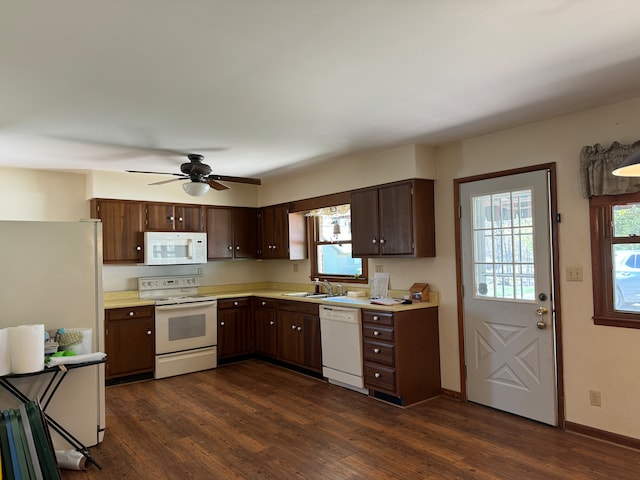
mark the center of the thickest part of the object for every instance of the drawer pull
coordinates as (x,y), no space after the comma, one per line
(376,318)
(235,304)
(376,350)
(376,333)
(377,375)
(131,314)
(264,303)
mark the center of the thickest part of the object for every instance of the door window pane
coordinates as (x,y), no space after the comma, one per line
(503,246)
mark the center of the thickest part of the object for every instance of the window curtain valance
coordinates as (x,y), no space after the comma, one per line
(596,165)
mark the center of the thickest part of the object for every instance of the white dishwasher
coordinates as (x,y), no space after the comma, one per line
(341,333)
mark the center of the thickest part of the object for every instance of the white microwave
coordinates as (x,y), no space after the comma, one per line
(174,248)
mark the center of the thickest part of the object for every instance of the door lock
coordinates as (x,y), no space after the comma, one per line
(542,310)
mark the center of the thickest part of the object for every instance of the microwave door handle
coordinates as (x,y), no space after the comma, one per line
(189,249)
(184,306)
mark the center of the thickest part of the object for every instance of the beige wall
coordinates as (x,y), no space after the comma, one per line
(38,195)
(595,357)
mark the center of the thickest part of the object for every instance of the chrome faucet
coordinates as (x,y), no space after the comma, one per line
(325,283)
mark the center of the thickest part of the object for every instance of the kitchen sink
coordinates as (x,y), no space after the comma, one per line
(306,295)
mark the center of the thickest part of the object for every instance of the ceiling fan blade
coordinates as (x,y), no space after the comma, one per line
(158,173)
(226,178)
(215,185)
(168,181)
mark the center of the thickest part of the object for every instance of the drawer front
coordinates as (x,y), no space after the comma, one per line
(377,318)
(378,376)
(379,352)
(265,303)
(288,306)
(377,333)
(132,312)
(234,303)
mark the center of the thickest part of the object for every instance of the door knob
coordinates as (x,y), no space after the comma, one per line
(541,325)
(542,311)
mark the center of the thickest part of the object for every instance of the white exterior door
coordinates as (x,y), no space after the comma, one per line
(507,294)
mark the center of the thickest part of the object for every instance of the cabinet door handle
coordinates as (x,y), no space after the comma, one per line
(381,241)
(148,332)
(376,350)
(293,327)
(374,241)
(299,329)
(170,219)
(180,219)
(222,324)
(238,247)
(230,247)
(138,248)
(272,322)
(376,333)
(377,375)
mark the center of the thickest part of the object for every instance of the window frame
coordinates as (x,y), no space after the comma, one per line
(312,225)
(602,240)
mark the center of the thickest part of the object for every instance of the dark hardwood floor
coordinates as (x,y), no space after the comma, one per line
(254,420)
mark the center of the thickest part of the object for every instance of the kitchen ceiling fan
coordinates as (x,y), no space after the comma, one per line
(200,176)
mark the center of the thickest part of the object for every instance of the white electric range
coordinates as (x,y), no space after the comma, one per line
(185,323)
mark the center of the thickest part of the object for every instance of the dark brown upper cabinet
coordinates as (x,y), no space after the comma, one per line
(283,234)
(232,232)
(395,219)
(167,217)
(122,224)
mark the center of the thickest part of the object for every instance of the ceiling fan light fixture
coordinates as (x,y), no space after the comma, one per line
(196,189)
(630,167)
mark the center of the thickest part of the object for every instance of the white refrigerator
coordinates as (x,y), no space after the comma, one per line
(51,274)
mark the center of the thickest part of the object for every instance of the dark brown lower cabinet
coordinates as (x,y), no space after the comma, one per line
(235,327)
(299,335)
(265,315)
(401,354)
(129,341)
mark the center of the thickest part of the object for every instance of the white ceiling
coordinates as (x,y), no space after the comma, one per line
(277,83)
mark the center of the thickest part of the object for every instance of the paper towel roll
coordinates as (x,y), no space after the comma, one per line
(5,353)
(27,348)
(71,460)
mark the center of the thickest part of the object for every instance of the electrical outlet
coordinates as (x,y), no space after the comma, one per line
(574,274)
(295,268)
(201,272)
(594,398)
(378,268)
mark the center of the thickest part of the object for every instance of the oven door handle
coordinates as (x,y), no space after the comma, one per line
(184,306)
